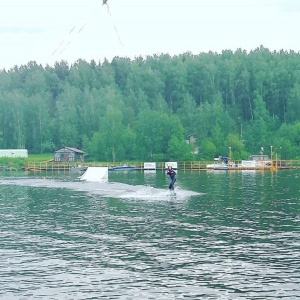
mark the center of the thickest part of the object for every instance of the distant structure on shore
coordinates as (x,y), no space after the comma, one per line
(14,153)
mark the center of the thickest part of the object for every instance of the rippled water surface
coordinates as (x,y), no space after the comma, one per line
(226,235)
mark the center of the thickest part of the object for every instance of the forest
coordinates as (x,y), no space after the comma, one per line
(144,109)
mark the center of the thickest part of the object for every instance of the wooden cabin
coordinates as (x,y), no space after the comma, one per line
(68,154)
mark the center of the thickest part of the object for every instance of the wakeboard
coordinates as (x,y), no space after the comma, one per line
(172,193)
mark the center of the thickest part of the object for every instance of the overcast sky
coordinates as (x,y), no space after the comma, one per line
(47,31)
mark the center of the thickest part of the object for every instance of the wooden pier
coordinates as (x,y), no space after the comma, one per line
(185,166)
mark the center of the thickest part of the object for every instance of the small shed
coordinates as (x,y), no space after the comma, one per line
(68,154)
(191,139)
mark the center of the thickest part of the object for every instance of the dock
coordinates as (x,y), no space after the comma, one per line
(139,166)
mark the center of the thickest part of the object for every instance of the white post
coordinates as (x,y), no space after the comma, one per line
(271,156)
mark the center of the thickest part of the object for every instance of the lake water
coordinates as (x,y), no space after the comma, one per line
(226,235)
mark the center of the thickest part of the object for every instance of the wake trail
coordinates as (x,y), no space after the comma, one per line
(105,189)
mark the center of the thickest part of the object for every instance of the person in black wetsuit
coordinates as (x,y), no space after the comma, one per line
(172,175)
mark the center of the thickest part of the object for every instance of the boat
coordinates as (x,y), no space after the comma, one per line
(220,163)
(254,162)
(78,169)
(122,168)
(259,161)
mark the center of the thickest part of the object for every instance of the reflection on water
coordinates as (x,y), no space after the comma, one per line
(237,239)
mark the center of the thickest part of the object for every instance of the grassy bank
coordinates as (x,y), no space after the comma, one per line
(39,157)
(12,164)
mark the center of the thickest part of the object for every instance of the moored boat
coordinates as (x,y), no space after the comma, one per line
(259,161)
(122,168)
(220,163)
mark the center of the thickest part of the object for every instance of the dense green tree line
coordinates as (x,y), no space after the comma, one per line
(143,109)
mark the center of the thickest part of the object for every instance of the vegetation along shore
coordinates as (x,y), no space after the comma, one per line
(146,108)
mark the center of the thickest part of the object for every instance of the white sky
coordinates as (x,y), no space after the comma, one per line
(33,30)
